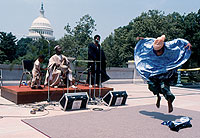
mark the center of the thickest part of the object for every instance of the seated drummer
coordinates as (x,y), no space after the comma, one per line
(58,69)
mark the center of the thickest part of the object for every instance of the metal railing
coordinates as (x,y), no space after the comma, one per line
(179,74)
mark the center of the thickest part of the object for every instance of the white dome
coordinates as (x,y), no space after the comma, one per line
(41,23)
(41,26)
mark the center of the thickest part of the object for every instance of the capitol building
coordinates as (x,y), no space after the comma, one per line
(41,27)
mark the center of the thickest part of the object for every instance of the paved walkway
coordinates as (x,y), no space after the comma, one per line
(11,114)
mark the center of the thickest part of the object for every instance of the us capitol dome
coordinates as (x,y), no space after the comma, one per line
(41,27)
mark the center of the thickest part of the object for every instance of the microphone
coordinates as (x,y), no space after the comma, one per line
(97,41)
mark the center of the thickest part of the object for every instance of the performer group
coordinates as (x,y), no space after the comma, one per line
(156,61)
(59,72)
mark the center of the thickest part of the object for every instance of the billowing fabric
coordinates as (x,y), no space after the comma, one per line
(148,64)
(58,68)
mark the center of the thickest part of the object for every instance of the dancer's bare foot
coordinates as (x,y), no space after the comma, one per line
(158,102)
(170,106)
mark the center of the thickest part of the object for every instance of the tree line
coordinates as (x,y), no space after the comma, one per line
(118,46)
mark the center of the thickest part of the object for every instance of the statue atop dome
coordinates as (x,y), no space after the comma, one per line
(42,10)
(41,27)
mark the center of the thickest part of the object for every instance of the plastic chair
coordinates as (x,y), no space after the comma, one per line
(27,66)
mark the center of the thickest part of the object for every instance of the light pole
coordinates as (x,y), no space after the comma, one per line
(48,99)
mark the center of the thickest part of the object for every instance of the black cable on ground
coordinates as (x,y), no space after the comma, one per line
(13,116)
(97,109)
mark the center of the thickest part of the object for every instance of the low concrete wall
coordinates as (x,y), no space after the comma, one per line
(11,72)
(136,75)
(14,72)
(120,73)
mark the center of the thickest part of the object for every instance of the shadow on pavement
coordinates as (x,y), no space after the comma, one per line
(161,116)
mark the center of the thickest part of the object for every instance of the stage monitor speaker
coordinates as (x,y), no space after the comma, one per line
(115,98)
(74,101)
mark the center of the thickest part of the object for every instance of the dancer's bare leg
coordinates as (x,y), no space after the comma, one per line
(158,101)
(170,106)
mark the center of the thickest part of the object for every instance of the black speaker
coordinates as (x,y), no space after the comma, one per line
(73,101)
(115,98)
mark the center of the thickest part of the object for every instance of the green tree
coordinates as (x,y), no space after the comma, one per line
(109,49)
(153,23)
(35,48)
(22,46)
(192,34)
(2,56)
(76,40)
(7,47)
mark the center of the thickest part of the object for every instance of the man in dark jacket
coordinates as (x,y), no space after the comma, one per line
(97,66)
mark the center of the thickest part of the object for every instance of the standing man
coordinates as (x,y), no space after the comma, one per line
(98,66)
(58,69)
(157,62)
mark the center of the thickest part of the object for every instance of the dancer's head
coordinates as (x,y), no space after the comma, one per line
(158,45)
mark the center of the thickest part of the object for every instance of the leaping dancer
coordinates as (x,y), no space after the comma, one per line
(157,62)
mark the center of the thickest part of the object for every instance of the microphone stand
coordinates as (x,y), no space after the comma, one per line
(48,99)
(76,75)
(95,75)
(100,73)
(90,82)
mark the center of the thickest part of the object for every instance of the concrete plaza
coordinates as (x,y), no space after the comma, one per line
(11,114)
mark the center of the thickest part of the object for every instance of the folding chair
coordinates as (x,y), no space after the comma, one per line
(27,66)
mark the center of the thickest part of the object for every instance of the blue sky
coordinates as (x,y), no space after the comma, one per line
(17,15)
